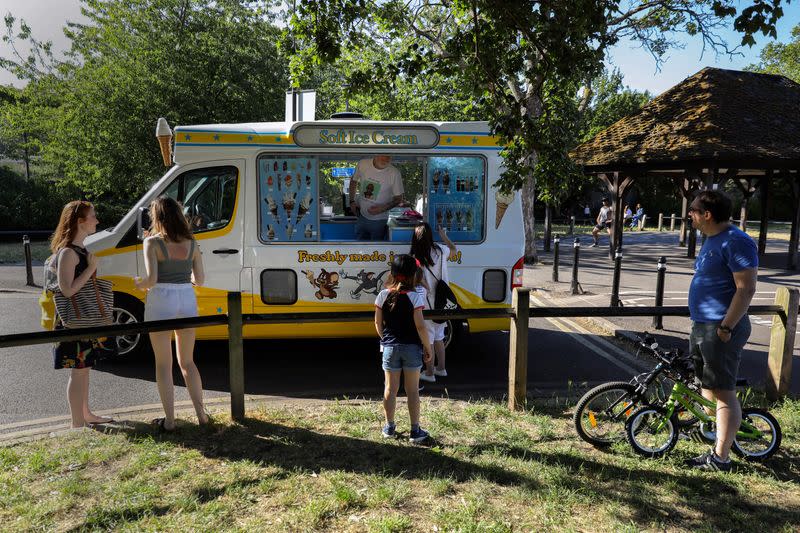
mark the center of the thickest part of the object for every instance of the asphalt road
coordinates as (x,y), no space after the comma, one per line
(563,359)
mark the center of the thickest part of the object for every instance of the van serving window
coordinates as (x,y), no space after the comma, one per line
(306,198)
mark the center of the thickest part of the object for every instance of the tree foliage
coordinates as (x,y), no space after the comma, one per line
(191,61)
(781,58)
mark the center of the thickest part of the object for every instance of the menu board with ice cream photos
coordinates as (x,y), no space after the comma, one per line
(288,191)
(456,196)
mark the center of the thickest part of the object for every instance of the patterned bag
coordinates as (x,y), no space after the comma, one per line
(90,306)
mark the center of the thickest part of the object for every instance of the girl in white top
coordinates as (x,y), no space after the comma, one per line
(433,261)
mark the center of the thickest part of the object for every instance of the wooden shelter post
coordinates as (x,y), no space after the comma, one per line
(748,186)
(765,203)
(617,186)
(794,233)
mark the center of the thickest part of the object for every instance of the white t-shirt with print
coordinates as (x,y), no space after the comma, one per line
(376,186)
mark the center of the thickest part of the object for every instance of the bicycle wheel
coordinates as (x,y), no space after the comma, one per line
(762,447)
(650,433)
(600,415)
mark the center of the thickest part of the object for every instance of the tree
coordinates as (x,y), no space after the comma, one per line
(191,61)
(781,58)
(513,56)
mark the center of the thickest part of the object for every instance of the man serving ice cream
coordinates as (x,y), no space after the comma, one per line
(381,188)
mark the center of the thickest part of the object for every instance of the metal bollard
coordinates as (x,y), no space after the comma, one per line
(661,222)
(26,244)
(572,225)
(615,301)
(658,320)
(575,286)
(672,222)
(556,241)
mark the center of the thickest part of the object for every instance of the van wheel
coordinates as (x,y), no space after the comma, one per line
(127,310)
(453,333)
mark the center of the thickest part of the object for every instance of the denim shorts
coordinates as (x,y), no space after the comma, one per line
(717,362)
(170,300)
(398,357)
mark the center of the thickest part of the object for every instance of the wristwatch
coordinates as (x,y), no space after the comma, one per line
(726,329)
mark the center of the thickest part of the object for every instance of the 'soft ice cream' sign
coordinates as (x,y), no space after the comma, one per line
(373,136)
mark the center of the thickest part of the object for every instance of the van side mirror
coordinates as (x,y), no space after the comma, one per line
(142,222)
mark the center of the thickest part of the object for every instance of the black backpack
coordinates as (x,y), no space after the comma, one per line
(443,297)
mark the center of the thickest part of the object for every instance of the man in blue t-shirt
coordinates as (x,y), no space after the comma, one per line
(723,285)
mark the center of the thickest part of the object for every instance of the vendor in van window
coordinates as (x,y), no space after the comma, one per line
(381,188)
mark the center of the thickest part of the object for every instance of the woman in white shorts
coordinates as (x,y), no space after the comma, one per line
(433,260)
(173,264)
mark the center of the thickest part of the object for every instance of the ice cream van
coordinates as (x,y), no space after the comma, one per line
(267,204)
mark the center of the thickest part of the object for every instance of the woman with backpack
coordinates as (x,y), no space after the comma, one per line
(75,266)
(173,263)
(433,260)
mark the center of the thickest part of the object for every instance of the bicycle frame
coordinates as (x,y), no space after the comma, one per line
(686,397)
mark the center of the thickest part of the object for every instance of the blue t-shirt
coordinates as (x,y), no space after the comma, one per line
(712,287)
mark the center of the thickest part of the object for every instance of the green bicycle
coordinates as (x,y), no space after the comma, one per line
(653,430)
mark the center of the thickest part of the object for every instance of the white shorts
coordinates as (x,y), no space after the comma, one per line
(170,300)
(435,331)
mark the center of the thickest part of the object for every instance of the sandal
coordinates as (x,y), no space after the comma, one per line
(159,423)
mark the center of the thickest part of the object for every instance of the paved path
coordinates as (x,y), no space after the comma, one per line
(637,288)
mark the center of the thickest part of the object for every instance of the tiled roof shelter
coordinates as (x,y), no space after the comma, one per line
(715,125)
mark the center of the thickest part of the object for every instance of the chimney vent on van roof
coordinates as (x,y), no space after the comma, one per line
(347,115)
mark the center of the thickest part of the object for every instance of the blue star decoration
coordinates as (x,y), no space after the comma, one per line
(249,137)
(216,137)
(187,137)
(474,140)
(277,139)
(448,140)
(219,310)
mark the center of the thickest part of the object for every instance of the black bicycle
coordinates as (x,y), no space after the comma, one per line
(601,413)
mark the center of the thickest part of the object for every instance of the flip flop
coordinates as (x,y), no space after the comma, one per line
(105,421)
(159,423)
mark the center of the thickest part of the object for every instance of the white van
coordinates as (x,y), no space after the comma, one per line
(267,204)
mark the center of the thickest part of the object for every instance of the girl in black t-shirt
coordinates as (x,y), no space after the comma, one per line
(405,342)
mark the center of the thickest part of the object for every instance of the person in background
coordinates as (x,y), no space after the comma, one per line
(173,263)
(627,215)
(723,285)
(603,222)
(636,222)
(404,342)
(433,260)
(381,188)
(76,265)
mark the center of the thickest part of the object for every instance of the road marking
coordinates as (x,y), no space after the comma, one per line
(577,333)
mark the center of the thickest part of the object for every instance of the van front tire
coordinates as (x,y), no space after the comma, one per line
(454,332)
(128,310)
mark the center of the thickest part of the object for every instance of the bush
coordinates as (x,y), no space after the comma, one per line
(30,203)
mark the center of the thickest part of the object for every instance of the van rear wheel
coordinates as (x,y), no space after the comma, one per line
(453,333)
(129,310)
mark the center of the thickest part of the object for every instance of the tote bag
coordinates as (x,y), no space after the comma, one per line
(443,297)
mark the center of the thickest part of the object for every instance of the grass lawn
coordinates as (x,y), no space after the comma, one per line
(13,252)
(312,468)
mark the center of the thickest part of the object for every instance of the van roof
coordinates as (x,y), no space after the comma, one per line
(193,143)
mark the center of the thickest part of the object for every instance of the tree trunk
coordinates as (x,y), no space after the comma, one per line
(528,195)
(548,227)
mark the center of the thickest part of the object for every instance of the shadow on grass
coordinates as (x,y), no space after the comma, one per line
(696,500)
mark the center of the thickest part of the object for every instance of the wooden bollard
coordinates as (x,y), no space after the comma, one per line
(781,343)
(236,355)
(518,350)
(672,222)
(661,222)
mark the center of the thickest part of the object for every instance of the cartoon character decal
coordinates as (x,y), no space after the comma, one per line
(368,282)
(326,283)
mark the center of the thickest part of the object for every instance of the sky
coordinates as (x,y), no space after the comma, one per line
(48,17)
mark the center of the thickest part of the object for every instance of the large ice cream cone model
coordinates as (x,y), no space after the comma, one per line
(503,201)
(164,136)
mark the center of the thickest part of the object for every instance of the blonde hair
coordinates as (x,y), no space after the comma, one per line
(166,218)
(67,227)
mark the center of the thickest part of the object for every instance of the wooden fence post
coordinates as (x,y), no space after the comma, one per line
(661,222)
(781,343)
(518,350)
(236,355)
